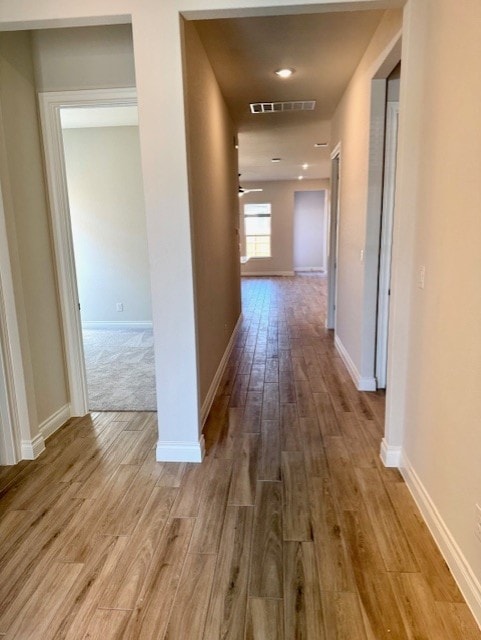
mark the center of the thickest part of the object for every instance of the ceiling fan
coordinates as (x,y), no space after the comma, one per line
(243,191)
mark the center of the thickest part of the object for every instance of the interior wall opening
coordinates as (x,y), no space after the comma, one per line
(104,182)
(310,223)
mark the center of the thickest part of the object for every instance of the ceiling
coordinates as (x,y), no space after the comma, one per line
(324,49)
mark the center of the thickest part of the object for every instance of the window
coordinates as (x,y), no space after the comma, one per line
(257,227)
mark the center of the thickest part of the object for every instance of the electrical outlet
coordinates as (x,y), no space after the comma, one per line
(422,276)
(477,521)
(120,306)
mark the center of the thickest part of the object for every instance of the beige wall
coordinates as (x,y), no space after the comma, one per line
(83,58)
(108,223)
(351,128)
(280,193)
(29,236)
(436,341)
(213,172)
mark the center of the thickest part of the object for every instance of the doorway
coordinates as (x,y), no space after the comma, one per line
(99,222)
(104,182)
(309,237)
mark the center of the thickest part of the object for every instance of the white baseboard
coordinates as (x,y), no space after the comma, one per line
(390,455)
(309,270)
(31,449)
(463,574)
(362,384)
(367,384)
(172,451)
(272,274)
(209,399)
(56,420)
(110,325)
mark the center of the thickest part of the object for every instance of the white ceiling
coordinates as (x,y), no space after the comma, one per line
(87,117)
(324,49)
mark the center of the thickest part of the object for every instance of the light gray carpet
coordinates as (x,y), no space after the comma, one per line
(120,369)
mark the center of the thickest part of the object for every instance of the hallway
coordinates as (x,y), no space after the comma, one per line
(290,529)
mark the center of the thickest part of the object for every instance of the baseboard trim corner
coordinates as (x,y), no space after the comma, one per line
(463,574)
(390,455)
(361,383)
(56,420)
(31,449)
(209,399)
(367,384)
(171,451)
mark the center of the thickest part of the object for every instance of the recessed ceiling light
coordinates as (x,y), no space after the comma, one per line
(276,159)
(285,73)
(320,144)
(300,178)
(305,166)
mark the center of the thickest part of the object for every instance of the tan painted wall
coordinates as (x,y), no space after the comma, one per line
(212,160)
(84,58)
(27,216)
(280,193)
(351,127)
(436,346)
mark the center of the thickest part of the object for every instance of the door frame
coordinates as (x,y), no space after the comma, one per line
(385,251)
(50,104)
(380,70)
(9,452)
(333,242)
(15,415)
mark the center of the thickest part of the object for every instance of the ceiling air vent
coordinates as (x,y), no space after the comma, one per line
(277,107)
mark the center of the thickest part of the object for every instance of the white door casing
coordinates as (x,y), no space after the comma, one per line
(9,451)
(15,417)
(50,105)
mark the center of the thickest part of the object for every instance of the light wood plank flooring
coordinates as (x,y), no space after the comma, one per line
(290,529)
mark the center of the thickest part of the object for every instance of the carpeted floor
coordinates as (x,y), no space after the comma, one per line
(120,369)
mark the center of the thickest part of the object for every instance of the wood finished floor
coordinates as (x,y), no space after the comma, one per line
(291,529)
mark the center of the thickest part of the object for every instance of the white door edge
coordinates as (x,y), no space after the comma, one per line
(392,120)
(333,242)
